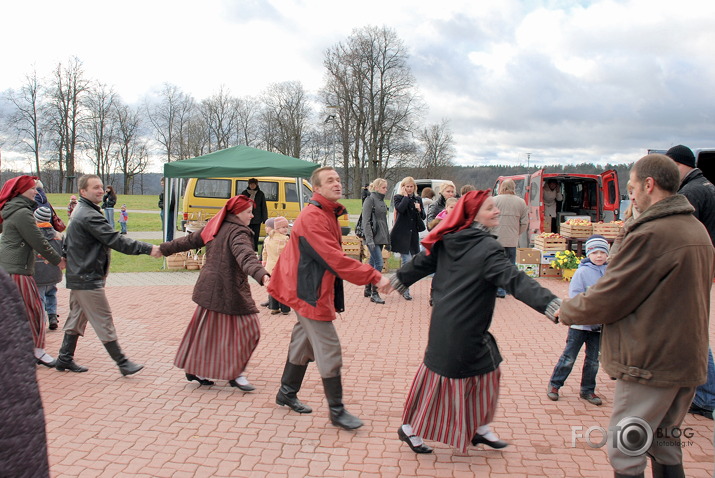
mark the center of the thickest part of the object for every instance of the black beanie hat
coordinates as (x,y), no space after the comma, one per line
(681,154)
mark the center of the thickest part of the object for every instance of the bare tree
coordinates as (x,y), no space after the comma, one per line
(66,94)
(285,117)
(437,149)
(170,117)
(26,120)
(247,128)
(371,84)
(100,128)
(220,114)
(132,152)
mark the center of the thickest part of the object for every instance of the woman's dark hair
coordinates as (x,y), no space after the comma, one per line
(111,192)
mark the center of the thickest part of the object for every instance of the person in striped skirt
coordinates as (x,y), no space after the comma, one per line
(224,330)
(454,394)
(20,235)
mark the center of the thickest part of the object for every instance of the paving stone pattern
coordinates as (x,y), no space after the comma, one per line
(156,424)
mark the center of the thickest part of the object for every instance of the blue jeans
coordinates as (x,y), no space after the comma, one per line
(123,226)
(575,339)
(48,295)
(376,260)
(511,255)
(109,214)
(705,393)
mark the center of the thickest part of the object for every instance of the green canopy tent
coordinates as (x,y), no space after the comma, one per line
(230,162)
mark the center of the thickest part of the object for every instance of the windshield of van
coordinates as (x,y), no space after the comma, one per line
(269,188)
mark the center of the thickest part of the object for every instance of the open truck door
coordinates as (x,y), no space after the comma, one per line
(535,201)
(611,196)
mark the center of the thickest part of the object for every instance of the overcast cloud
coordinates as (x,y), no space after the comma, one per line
(566,81)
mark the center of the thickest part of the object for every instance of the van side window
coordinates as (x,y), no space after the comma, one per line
(269,188)
(292,194)
(213,188)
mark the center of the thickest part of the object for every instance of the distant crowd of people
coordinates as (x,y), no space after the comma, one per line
(620,305)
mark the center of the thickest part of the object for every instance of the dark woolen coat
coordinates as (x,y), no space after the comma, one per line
(223,284)
(404,237)
(23,443)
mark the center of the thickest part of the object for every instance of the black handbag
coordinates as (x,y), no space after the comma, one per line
(359,228)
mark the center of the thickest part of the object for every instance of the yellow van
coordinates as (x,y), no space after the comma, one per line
(204,197)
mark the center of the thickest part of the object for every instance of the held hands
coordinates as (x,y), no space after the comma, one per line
(63,264)
(384,286)
(266,280)
(156,252)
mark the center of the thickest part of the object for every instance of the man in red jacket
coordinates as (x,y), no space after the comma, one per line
(309,279)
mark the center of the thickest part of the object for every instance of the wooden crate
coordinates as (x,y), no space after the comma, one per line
(576,230)
(352,246)
(556,243)
(609,230)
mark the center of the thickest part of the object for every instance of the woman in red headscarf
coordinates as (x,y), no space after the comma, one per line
(224,331)
(454,394)
(20,235)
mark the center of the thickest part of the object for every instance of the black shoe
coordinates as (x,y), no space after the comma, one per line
(49,364)
(202,381)
(344,419)
(407,295)
(417,449)
(696,410)
(52,319)
(65,359)
(244,388)
(292,402)
(496,444)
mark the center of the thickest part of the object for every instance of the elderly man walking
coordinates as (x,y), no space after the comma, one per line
(654,302)
(88,241)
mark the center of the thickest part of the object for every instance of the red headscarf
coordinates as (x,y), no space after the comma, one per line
(461,217)
(14,187)
(234,205)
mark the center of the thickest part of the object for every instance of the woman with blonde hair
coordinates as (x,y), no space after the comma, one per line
(409,222)
(377,235)
(446,190)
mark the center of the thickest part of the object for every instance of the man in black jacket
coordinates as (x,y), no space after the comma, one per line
(88,241)
(260,211)
(701,194)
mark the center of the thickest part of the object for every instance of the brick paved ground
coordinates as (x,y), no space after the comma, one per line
(156,424)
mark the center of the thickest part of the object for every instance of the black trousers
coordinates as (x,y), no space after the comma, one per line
(256,228)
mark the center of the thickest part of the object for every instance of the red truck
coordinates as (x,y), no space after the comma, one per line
(594,195)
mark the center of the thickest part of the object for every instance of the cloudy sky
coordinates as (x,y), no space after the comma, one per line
(566,81)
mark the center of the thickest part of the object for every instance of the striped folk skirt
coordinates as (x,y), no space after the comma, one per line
(33,307)
(449,410)
(218,345)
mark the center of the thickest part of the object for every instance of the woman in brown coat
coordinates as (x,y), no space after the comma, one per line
(224,331)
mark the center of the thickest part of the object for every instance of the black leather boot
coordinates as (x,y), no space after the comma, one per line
(667,471)
(290,386)
(338,415)
(65,360)
(375,297)
(368,290)
(620,475)
(126,366)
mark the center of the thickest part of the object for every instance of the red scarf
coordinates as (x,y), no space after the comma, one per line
(234,205)
(14,187)
(461,217)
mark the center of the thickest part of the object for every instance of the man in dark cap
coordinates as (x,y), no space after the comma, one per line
(701,194)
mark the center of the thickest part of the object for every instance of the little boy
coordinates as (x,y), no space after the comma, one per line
(123,217)
(48,275)
(589,271)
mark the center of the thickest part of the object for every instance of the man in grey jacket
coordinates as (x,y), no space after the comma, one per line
(513,221)
(88,241)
